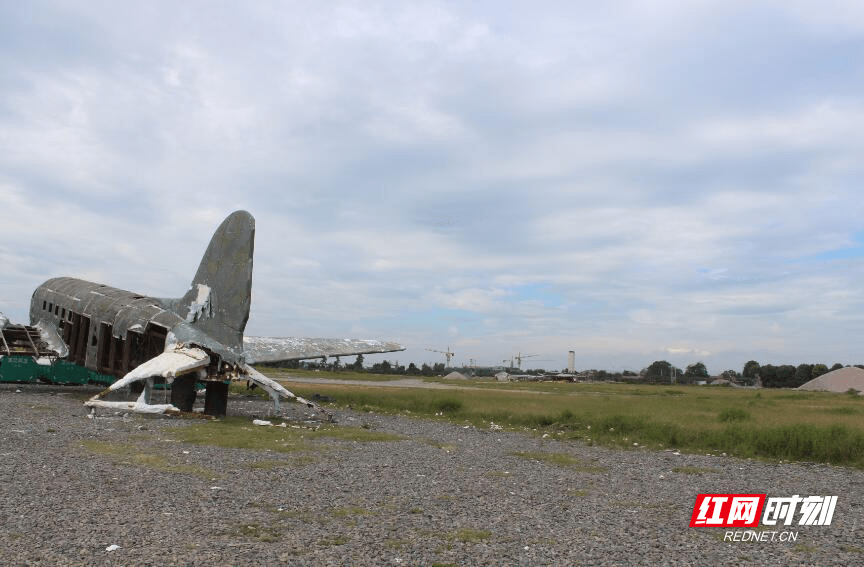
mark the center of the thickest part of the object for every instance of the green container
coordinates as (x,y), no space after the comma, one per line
(25,369)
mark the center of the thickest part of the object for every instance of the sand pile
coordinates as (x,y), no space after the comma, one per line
(839,380)
(455,376)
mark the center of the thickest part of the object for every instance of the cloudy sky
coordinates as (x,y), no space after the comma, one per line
(631,180)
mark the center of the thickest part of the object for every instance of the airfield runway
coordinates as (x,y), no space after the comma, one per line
(444,493)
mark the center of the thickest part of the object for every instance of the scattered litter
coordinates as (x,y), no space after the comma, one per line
(545,435)
(185,452)
(17,391)
(216,488)
(495,426)
(113,547)
(261,422)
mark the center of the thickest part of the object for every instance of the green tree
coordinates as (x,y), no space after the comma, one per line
(730,375)
(751,372)
(779,376)
(660,371)
(819,370)
(357,366)
(696,371)
(803,374)
(837,366)
(768,374)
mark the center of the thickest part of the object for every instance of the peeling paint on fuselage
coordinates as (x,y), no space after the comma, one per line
(201,307)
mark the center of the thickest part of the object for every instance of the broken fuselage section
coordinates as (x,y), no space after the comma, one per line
(114,332)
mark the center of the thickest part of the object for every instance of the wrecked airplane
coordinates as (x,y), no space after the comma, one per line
(195,338)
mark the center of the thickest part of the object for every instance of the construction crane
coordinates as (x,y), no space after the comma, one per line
(447,354)
(519,356)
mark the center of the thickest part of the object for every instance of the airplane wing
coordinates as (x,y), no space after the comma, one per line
(267,349)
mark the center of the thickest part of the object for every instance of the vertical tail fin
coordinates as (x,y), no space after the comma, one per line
(218,301)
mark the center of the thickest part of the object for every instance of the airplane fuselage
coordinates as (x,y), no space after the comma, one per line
(110,330)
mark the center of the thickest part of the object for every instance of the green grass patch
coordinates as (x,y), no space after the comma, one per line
(239,433)
(777,424)
(256,531)
(354,434)
(334,540)
(844,410)
(733,414)
(132,454)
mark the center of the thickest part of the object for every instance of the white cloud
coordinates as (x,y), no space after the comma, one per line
(680,173)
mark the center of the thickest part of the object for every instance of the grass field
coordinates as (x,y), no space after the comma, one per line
(772,424)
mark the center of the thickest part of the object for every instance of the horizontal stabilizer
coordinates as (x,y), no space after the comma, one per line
(272,349)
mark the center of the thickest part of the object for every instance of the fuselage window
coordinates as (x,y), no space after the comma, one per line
(50,307)
(93,340)
(69,316)
(63,313)
(56,310)
(44,305)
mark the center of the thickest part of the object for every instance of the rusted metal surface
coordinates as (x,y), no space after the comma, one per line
(21,340)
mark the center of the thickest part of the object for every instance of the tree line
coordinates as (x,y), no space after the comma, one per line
(753,373)
(659,372)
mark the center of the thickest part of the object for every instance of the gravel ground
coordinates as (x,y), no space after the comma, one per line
(446,494)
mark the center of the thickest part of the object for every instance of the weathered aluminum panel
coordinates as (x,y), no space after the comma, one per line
(266,349)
